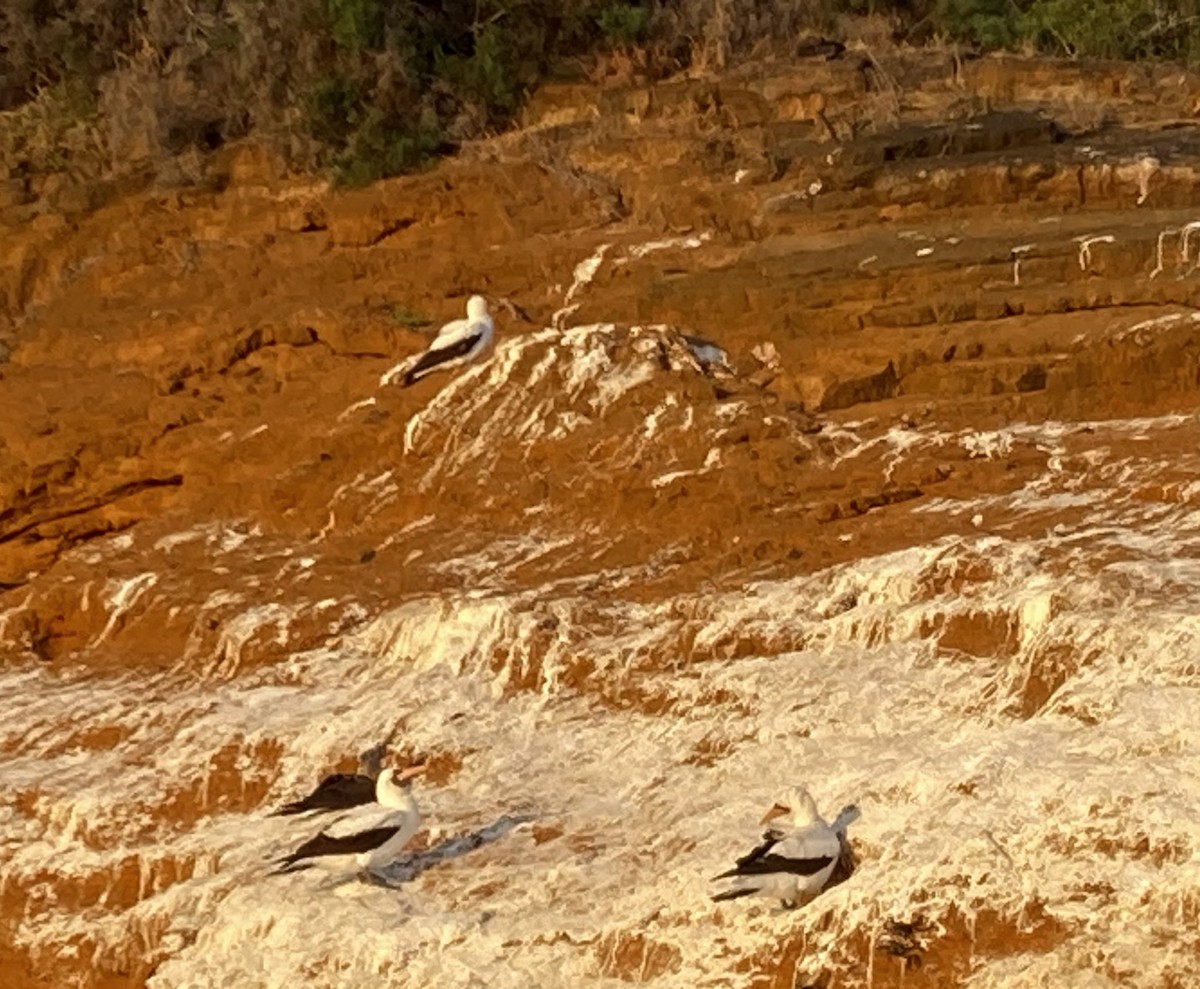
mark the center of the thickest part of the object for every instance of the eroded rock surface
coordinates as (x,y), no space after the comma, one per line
(923,537)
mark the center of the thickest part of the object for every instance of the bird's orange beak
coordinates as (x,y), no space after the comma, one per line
(778,810)
(411,771)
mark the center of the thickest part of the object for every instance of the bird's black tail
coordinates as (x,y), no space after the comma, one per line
(289,863)
(733,894)
(288,809)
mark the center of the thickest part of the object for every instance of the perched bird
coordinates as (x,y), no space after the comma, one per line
(368,839)
(458,342)
(340,791)
(708,355)
(794,866)
(685,350)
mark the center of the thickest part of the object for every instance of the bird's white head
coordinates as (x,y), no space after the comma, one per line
(798,803)
(477,307)
(392,786)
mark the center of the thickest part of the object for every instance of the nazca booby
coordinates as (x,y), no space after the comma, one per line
(458,342)
(368,838)
(794,866)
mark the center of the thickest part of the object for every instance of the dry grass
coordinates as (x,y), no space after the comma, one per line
(55,131)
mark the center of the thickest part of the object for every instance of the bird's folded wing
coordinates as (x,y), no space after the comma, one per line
(353,844)
(452,332)
(338,792)
(802,853)
(771,838)
(772,862)
(440,355)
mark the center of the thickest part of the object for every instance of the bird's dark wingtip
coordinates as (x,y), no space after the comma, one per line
(733,894)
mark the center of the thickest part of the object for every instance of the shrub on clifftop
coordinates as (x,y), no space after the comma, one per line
(369,88)
(364,87)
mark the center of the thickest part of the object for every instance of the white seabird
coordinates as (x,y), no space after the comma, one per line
(366,840)
(707,354)
(792,867)
(458,342)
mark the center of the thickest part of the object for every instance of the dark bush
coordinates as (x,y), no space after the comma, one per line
(989,23)
(46,42)
(623,23)
(1132,29)
(335,104)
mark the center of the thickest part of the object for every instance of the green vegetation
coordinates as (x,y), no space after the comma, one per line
(409,318)
(623,23)
(369,88)
(1131,29)
(1127,29)
(990,23)
(356,25)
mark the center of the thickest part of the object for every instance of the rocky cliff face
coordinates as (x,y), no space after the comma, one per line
(922,537)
